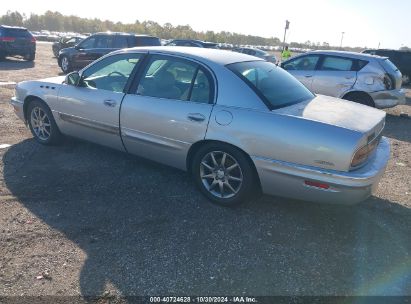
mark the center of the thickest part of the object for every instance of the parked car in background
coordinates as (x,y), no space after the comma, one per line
(65,42)
(17,41)
(257,53)
(401,59)
(370,80)
(265,131)
(99,44)
(192,43)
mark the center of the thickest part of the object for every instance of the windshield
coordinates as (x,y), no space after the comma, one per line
(275,86)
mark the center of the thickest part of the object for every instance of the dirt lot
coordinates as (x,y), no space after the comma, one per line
(100,222)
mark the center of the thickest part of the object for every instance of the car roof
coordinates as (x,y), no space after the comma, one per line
(13,27)
(121,33)
(353,55)
(221,57)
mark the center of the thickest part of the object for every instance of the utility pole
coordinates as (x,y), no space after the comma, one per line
(342,37)
(287,26)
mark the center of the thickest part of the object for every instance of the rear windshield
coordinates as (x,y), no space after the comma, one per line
(10,32)
(388,64)
(276,87)
(148,41)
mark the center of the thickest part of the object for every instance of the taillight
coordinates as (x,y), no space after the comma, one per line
(362,154)
(7,39)
(388,83)
(33,40)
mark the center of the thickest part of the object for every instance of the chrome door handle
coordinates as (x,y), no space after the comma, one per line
(109,103)
(196,117)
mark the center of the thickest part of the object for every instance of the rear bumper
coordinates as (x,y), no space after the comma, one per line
(6,50)
(388,99)
(288,180)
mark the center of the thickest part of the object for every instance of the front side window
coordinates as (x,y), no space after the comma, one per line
(304,63)
(175,78)
(104,42)
(332,63)
(110,73)
(276,87)
(88,43)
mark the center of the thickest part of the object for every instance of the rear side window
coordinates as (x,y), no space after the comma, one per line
(148,41)
(336,64)
(276,87)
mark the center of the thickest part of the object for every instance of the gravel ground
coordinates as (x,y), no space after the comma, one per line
(96,222)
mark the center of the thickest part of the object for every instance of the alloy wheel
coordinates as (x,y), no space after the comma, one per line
(221,174)
(40,123)
(64,63)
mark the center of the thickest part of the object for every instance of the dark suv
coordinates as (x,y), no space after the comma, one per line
(97,45)
(401,59)
(17,41)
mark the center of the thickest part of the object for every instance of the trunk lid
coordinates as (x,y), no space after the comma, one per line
(338,112)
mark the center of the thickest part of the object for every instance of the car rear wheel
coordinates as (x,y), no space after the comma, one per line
(361,98)
(223,174)
(30,57)
(65,64)
(42,124)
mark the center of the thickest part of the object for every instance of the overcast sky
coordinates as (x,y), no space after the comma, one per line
(365,22)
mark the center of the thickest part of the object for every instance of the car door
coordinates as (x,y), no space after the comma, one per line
(168,109)
(303,68)
(90,110)
(82,57)
(335,76)
(104,45)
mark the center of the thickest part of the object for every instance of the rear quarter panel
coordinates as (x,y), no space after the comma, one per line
(264,134)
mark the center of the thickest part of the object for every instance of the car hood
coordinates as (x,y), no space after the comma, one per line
(58,79)
(67,50)
(337,112)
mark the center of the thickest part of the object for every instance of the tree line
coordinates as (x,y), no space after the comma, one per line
(55,21)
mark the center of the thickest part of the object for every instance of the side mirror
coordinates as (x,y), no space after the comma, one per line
(78,47)
(72,78)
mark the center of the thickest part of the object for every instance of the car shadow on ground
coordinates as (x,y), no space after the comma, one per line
(398,127)
(147,230)
(11,63)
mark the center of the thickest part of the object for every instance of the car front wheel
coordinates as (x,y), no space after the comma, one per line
(42,124)
(65,64)
(223,174)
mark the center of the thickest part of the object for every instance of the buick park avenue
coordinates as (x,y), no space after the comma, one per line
(238,124)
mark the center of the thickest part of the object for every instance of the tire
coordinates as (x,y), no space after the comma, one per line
(65,64)
(238,183)
(42,124)
(30,57)
(361,98)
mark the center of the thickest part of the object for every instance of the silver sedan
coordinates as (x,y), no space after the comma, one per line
(371,80)
(238,124)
